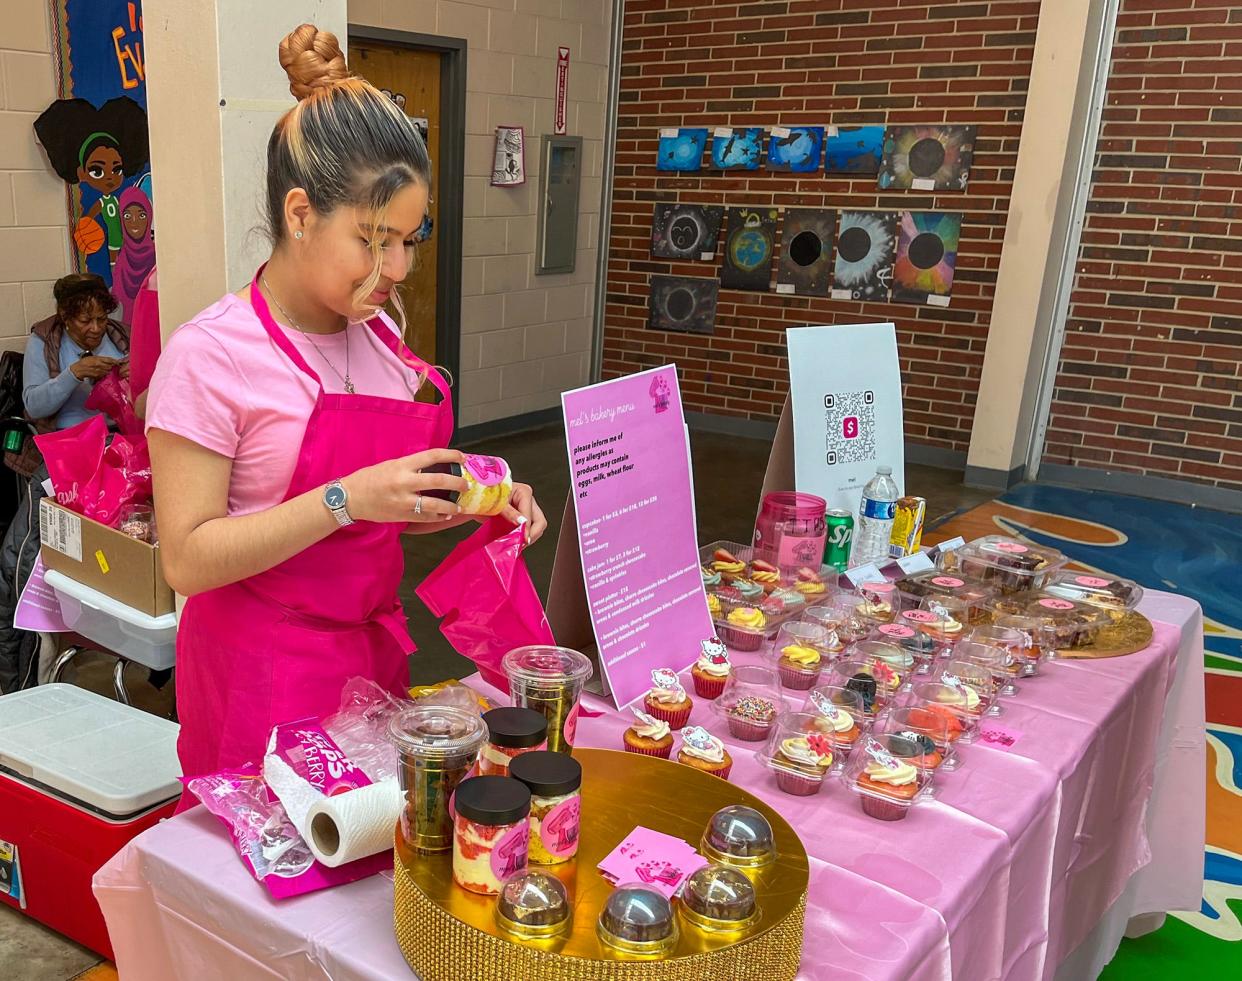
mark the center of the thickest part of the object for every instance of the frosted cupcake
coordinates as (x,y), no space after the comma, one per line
(667,700)
(648,736)
(801,762)
(703,751)
(712,669)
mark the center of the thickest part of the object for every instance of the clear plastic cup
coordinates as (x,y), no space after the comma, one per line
(798,754)
(801,651)
(550,681)
(436,747)
(750,702)
(928,731)
(839,715)
(843,616)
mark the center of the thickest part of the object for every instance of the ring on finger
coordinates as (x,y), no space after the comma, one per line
(418,503)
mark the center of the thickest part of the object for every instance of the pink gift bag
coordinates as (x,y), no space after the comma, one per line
(485,596)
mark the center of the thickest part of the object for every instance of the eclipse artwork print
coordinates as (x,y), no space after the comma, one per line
(926,256)
(685,231)
(927,158)
(737,149)
(750,240)
(805,266)
(681,149)
(853,149)
(866,249)
(795,148)
(683,304)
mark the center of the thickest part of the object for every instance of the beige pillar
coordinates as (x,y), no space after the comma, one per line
(214,91)
(1054,128)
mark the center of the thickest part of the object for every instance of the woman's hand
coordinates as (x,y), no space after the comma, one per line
(92,366)
(390,491)
(125,369)
(522,504)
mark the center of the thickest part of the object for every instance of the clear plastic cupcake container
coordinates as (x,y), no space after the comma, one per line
(961,706)
(801,652)
(927,731)
(1018,644)
(842,615)
(799,755)
(875,682)
(719,900)
(1010,565)
(996,661)
(921,646)
(839,714)
(638,922)
(899,660)
(886,783)
(750,702)
(739,836)
(811,580)
(743,627)
(932,582)
(881,601)
(1112,594)
(956,671)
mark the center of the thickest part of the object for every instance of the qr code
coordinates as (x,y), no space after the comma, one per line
(849,427)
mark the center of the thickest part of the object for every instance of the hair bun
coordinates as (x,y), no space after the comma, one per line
(312,59)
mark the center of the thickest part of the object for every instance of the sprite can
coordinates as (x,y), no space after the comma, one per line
(840,537)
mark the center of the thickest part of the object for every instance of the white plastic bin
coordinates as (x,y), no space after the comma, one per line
(146,640)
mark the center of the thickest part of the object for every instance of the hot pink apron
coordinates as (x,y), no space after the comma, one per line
(279,646)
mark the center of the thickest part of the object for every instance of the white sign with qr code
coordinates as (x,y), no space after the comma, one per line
(845,395)
(60,530)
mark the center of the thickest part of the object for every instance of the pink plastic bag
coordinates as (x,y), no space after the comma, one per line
(92,478)
(112,395)
(486,598)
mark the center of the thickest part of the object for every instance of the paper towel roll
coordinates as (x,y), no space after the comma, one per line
(354,825)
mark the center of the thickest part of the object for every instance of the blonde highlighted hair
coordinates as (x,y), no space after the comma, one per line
(344,143)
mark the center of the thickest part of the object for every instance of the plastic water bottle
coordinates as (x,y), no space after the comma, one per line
(875,518)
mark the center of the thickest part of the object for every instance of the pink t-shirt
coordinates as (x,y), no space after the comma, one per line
(222,383)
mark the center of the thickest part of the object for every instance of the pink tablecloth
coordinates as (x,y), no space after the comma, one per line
(1028,857)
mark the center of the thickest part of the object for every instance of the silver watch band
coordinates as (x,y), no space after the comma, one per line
(335,491)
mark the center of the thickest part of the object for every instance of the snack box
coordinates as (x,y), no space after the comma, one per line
(1006,564)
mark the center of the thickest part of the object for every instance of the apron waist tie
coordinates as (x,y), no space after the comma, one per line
(392,620)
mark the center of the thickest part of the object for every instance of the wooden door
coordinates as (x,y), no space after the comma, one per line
(411,78)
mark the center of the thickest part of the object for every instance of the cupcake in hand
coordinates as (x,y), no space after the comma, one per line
(712,669)
(649,736)
(703,751)
(667,700)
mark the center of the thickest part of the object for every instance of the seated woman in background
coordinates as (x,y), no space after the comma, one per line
(71,350)
(65,355)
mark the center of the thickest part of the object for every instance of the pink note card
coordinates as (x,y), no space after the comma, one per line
(998,736)
(657,860)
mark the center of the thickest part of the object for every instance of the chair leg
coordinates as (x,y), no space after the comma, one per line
(118,681)
(62,662)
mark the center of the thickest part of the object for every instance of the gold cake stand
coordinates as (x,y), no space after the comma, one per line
(449,934)
(1129,635)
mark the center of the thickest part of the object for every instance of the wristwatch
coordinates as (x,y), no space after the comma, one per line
(335,499)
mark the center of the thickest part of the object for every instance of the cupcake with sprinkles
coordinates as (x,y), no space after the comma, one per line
(750,717)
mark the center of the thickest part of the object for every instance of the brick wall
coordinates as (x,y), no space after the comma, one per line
(34,241)
(1148,379)
(821,62)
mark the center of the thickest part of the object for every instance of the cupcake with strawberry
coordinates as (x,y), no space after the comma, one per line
(648,736)
(712,669)
(765,574)
(667,699)
(800,763)
(727,564)
(703,751)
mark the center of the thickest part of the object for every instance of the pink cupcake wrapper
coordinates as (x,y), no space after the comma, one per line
(797,679)
(797,785)
(676,719)
(709,688)
(882,810)
(661,752)
(747,731)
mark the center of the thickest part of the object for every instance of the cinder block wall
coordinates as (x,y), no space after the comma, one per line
(525,338)
(34,238)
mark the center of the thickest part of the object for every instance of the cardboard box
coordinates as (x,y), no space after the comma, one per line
(105,559)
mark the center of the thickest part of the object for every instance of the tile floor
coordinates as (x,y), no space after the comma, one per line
(728,473)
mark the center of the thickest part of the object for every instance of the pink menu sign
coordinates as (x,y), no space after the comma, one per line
(629,458)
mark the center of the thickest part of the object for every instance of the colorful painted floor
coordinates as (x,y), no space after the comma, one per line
(1197,553)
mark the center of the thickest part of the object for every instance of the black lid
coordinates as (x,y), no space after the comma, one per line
(492,800)
(547,774)
(516,728)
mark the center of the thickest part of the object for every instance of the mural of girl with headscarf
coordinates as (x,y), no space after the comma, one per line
(99,148)
(137,256)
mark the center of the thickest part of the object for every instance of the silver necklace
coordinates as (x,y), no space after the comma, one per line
(345,379)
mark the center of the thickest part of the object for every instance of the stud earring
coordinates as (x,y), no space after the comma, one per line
(297,234)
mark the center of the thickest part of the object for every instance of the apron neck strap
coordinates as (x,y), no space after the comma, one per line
(389,338)
(258,303)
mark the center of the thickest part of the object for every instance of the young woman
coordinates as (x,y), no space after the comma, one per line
(288,448)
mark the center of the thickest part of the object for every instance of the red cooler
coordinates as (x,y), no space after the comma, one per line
(80,775)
